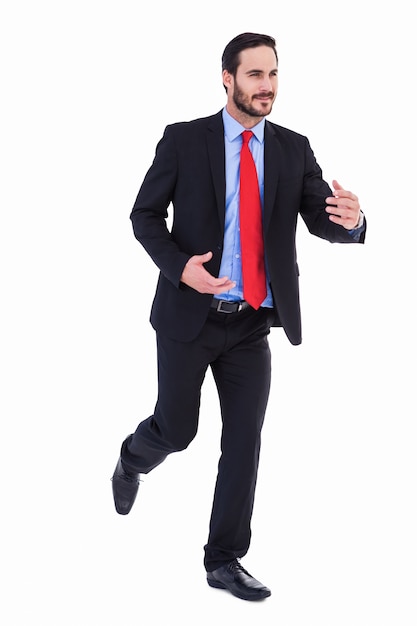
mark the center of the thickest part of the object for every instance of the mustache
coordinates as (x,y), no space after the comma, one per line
(269,94)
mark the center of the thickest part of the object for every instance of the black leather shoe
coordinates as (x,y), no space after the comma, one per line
(233,577)
(125,488)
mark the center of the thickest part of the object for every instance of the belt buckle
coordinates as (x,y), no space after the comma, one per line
(219,307)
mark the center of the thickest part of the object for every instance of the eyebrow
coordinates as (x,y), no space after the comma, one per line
(275,69)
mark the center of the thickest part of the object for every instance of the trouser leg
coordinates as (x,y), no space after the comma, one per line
(181,371)
(242,375)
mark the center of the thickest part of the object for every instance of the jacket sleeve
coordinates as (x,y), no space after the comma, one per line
(150,212)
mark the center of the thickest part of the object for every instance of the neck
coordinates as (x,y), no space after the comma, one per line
(247,121)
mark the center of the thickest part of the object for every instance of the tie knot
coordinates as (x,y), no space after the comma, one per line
(246,135)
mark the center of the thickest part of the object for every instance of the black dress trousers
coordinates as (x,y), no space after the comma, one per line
(235,346)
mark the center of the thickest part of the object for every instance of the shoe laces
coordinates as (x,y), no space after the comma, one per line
(236,566)
(131,479)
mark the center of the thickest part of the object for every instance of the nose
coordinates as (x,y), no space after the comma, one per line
(266,84)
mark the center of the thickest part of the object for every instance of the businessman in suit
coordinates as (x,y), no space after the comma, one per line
(204,311)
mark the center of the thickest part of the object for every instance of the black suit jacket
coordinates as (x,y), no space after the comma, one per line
(189,171)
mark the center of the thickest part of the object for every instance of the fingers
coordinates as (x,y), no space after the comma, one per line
(340,192)
(204,258)
(348,200)
(216,285)
(196,276)
(222,286)
(336,185)
(343,207)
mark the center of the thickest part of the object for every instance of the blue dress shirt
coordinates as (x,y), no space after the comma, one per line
(231,265)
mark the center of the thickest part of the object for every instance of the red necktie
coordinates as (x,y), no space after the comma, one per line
(251,233)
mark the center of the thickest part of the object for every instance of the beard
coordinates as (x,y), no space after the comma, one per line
(244,103)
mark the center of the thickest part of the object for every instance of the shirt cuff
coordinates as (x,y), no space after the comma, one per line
(358,230)
(360,222)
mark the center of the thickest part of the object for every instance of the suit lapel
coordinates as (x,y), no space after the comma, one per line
(272,161)
(215,145)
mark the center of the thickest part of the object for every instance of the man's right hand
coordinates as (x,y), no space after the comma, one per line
(197,277)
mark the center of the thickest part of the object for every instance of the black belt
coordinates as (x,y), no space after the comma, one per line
(224,306)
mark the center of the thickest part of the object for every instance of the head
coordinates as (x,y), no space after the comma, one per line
(250,76)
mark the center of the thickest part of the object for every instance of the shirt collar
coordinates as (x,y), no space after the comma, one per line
(232,128)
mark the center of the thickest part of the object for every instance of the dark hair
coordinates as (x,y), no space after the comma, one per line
(231,58)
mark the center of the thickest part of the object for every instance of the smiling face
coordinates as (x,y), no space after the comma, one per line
(252,92)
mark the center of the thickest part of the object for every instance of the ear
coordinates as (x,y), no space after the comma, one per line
(227,79)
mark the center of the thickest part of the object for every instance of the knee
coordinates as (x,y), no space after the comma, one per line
(175,437)
(181,440)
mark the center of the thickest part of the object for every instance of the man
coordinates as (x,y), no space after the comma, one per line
(204,311)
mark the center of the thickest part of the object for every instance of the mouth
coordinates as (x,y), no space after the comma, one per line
(264,97)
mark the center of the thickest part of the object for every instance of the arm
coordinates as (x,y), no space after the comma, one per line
(335,216)
(149,220)
(150,211)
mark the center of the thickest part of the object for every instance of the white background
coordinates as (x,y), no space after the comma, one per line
(87,89)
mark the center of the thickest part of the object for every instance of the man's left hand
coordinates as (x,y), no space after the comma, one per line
(343,207)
